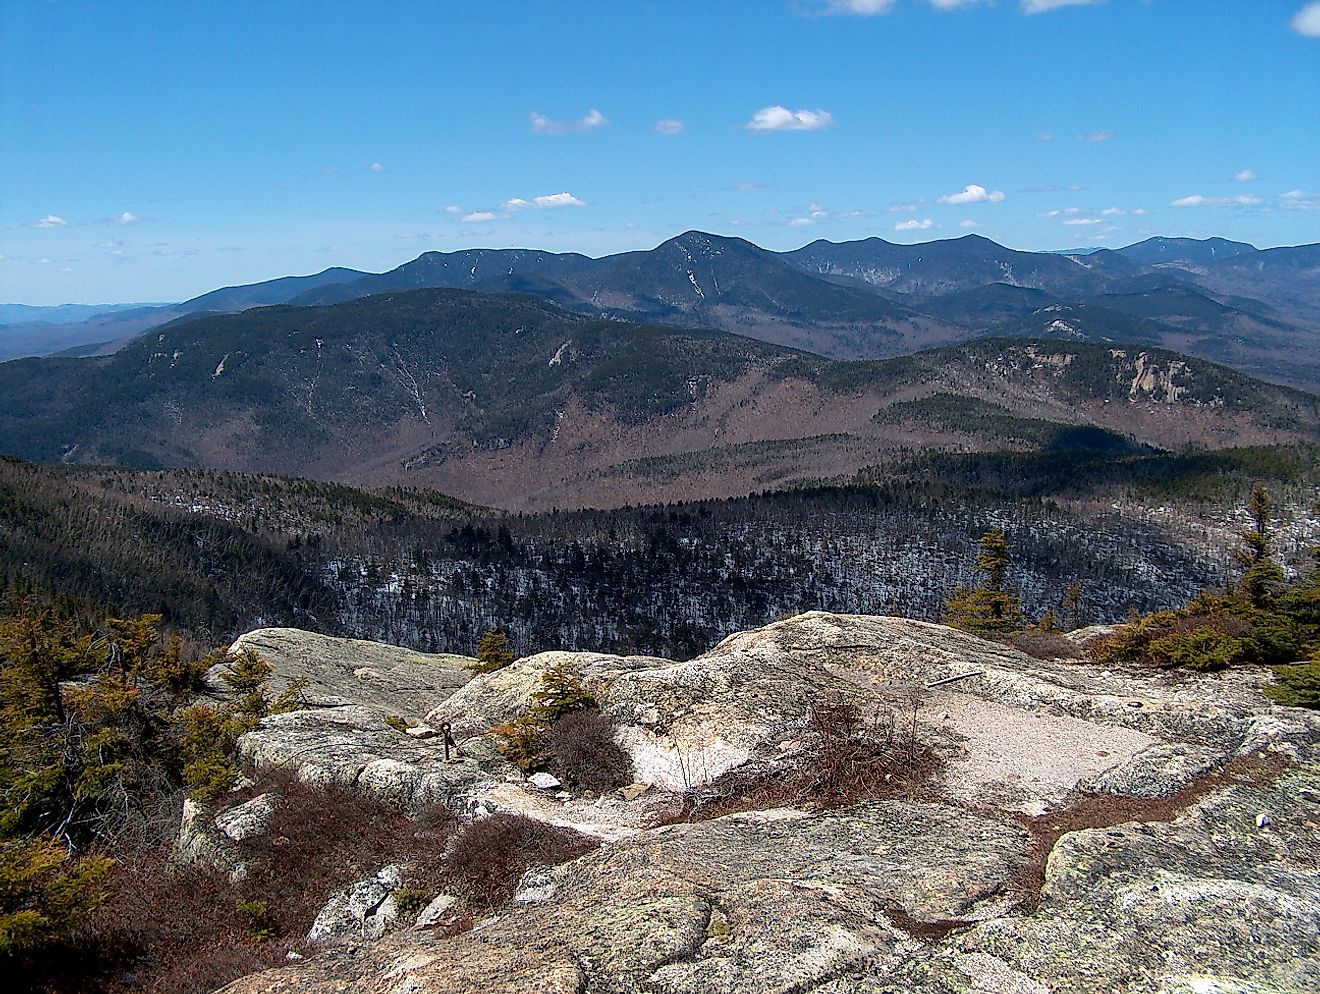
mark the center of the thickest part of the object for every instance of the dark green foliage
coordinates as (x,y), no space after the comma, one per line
(209,734)
(44,892)
(561,692)
(1296,686)
(524,740)
(1262,578)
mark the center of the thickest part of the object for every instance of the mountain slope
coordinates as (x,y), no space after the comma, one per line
(277,291)
(508,401)
(1159,251)
(455,270)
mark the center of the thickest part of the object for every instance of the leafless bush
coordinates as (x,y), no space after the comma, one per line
(584,755)
(488,857)
(166,929)
(846,758)
(1043,645)
(322,838)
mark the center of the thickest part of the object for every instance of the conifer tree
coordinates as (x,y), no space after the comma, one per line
(1262,578)
(493,652)
(991,606)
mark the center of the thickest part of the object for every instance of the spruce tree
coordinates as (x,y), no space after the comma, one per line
(990,607)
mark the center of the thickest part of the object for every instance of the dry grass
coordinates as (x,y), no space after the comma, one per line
(1108,810)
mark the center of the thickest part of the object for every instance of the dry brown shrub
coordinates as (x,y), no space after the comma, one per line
(847,758)
(323,838)
(583,753)
(166,929)
(488,857)
(1043,645)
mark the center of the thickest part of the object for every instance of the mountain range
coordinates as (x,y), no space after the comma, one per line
(1257,310)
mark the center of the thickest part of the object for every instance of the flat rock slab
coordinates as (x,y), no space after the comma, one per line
(1019,760)
(352,671)
(354,747)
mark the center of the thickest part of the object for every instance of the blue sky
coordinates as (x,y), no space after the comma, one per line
(153,151)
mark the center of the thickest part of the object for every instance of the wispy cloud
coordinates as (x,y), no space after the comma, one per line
(779,118)
(925,224)
(968,224)
(1300,200)
(668,126)
(1044,136)
(973,194)
(376,167)
(1095,136)
(127,217)
(542,125)
(903,208)
(870,8)
(1245,176)
(1081,222)
(1196,200)
(859,8)
(479,216)
(1041,6)
(1306,21)
(50,221)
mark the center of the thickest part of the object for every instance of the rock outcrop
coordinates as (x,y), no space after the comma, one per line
(1200,874)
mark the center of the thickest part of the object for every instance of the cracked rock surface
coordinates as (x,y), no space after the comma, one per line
(935,893)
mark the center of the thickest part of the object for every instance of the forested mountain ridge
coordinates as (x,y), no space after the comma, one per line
(220,553)
(509,401)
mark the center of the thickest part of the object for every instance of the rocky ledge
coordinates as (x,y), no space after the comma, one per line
(1086,829)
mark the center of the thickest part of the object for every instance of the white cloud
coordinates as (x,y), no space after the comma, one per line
(668,126)
(543,125)
(51,221)
(477,216)
(1095,136)
(1044,136)
(128,217)
(1245,176)
(1196,200)
(968,224)
(953,4)
(453,209)
(903,208)
(779,118)
(1141,212)
(1307,21)
(799,222)
(973,194)
(564,199)
(1113,212)
(558,200)
(1040,6)
(1081,222)
(925,224)
(376,167)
